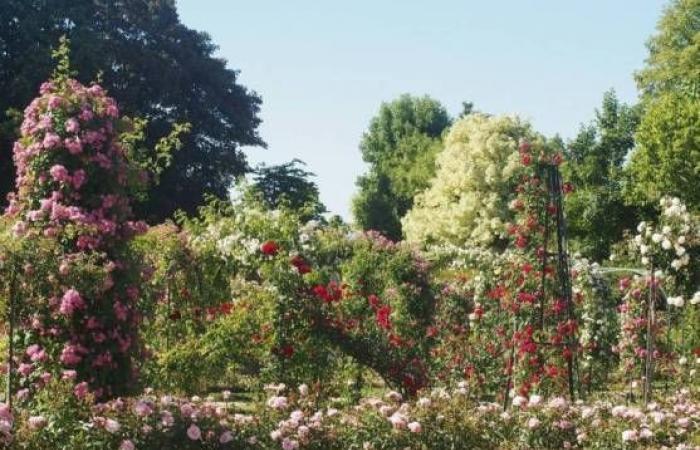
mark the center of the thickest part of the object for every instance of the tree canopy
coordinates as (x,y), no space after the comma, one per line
(155,67)
(596,212)
(400,147)
(289,184)
(667,158)
(673,63)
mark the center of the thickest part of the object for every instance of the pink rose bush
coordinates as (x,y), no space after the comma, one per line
(73,185)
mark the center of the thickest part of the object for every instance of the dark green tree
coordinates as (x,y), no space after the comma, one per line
(289,184)
(154,66)
(596,212)
(400,147)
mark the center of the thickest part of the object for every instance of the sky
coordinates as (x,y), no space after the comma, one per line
(323,68)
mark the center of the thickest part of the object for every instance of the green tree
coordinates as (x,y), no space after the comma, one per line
(673,64)
(596,212)
(667,158)
(289,184)
(400,147)
(155,67)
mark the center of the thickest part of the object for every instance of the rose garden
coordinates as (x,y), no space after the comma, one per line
(247,326)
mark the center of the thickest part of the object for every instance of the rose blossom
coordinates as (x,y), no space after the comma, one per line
(415,427)
(194,433)
(225,437)
(127,445)
(36,422)
(112,426)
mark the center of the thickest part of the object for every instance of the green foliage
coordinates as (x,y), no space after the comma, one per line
(289,184)
(667,159)
(596,212)
(673,64)
(400,147)
(157,69)
(467,200)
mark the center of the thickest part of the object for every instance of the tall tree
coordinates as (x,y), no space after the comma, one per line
(673,64)
(596,211)
(667,158)
(154,66)
(289,184)
(467,200)
(400,147)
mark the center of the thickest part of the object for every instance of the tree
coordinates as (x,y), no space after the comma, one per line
(289,184)
(667,158)
(467,200)
(596,212)
(673,64)
(155,67)
(400,147)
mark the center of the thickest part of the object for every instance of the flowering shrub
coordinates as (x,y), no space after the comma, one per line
(669,249)
(279,300)
(73,182)
(467,201)
(598,323)
(288,418)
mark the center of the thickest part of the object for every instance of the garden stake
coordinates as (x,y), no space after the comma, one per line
(649,366)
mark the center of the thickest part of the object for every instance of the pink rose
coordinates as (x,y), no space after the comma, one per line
(72,126)
(194,433)
(127,445)
(51,140)
(81,390)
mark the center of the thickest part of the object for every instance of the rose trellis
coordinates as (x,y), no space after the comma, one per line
(654,310)
(77,316)
(543,337)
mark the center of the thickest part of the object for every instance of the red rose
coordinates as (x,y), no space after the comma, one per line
(287,351)
(269,248)
(321,292)
(383,319)
(300,263)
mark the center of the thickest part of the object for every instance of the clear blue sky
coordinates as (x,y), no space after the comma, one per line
(323,68)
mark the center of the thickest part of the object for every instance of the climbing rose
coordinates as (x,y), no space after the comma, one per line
(194,433)
(269,248)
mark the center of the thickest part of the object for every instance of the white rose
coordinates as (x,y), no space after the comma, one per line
(695,299)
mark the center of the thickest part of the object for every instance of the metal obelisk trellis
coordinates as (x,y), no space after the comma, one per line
(555,222)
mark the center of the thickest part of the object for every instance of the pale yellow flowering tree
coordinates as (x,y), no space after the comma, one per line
(467,201)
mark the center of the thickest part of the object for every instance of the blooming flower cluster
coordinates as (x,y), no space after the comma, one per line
(670,240)
(73,182)
(466,202)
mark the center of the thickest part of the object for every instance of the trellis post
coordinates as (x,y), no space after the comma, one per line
(651,319)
